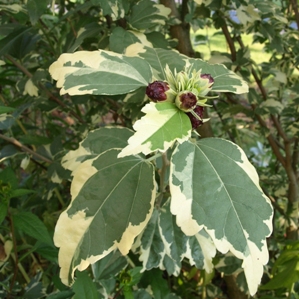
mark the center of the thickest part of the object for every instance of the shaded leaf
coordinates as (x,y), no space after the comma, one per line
(5,109)
(84,287)
(109,266)
(20,192)
(146,14)
(31,225)
(36,8)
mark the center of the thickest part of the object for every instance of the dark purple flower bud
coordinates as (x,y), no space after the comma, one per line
(159,91)
(208,76)
(196,121)
(186,100)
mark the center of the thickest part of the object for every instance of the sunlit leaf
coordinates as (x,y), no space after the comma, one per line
(225,80)
(162,125)
(213,186)
(112,201)
(99,72)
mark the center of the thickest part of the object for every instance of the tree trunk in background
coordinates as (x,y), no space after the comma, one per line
(181,32)
(232,288)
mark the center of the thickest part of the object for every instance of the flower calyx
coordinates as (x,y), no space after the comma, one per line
(160,91)
(186,100)
(196,116)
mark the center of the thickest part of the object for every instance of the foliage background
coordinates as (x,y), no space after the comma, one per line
(257,40)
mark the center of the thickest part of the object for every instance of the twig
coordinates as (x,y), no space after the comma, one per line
(296,12)
(25,148)
(18,65)
(16,268)
(230,42)
(49,94)
(272,141)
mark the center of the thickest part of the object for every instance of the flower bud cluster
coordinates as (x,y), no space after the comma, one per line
(186,89)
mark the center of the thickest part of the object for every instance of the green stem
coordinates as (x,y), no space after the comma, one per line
(204,291)
(59,197)
(165,165)
(154,157)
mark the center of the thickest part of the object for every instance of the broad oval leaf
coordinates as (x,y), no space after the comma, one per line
(224,79)
(162,125)
(99,72)
(214,186)
(112,201)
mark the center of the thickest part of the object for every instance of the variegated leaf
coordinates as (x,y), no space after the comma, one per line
(164,245)
(112,201)
(225,80)
(95,143)
(162,125)
(146,14)
(213,186)
(99,72)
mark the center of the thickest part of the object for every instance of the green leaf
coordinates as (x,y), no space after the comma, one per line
(109,266)
(84,287)
(214,187)
(61,295)
(224,79)
(8,151)
(10,40)
(228,264)
(7,176)
(5,109)
(286,269)
(35,9)
(35,140)
(156,282)
(89,30)
(99,72)
(162,125)
(146,14)
(20,192)
(95,143)
(285,278)
(112,201)
(31,225)
(142,294)
(19,42)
